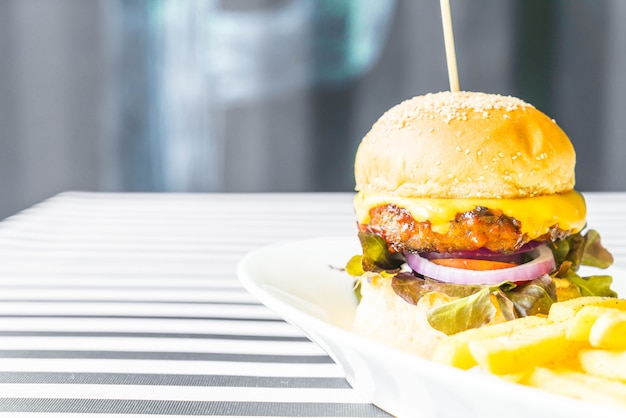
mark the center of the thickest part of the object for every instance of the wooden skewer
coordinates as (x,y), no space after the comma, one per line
(448,36)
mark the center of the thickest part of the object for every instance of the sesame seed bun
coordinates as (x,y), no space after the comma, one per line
(465,145)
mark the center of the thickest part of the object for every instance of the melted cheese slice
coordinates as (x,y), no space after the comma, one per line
(536,214)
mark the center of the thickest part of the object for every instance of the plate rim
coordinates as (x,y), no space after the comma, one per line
(311,326)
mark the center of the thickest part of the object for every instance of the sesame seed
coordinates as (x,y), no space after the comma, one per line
(458,149)
(457,105)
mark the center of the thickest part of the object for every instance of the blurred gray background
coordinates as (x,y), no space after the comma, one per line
(274,95)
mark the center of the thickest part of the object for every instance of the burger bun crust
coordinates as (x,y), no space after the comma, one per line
(465,145)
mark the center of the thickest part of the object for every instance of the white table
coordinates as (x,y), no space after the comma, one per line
(129,304)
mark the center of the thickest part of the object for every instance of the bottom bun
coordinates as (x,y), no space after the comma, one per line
(384,316)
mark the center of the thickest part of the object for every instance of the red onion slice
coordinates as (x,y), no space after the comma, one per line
(542,263)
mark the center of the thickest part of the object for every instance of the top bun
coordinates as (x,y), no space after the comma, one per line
(465,145)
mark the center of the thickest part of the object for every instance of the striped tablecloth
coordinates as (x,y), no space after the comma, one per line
(129,304)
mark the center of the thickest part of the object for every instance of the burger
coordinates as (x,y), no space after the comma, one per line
(467,216)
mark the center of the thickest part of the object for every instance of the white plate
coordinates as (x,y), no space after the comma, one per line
(300,281)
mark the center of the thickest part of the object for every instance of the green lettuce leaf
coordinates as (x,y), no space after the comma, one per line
(506,305)
(587,250)
(412,288)
(472,311)
(532,298)
(408,287)
(473,307)
(354,266)
(592,285)
(357,290)
(376,255)
(594,254)
(560,250)
(579,249)
(451,289)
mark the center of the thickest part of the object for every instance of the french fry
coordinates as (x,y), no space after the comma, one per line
(604,363)
(601,326)
(580,326)
(455,351)
(579,385)
(579,350)
(609,331)
(565,310)
(522,350)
